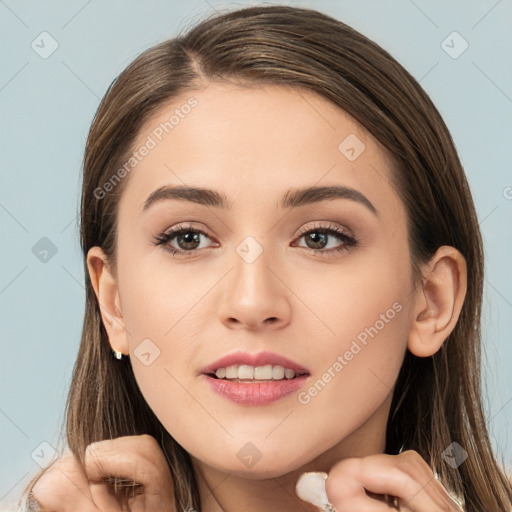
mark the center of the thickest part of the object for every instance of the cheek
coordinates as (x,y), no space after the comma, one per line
(168,394)
(362,291)
(364,312)
(158,295)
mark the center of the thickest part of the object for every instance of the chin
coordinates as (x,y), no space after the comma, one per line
(260,472)
(260,467)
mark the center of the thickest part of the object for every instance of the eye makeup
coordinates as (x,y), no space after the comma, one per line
(317,234)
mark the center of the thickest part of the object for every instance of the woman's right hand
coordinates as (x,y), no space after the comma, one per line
(64,487)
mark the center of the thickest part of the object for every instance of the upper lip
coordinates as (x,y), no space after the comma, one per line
(259,359)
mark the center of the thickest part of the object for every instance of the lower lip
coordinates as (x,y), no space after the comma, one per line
(256,393)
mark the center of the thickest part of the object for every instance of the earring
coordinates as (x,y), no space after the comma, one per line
(118,355)
(393,501)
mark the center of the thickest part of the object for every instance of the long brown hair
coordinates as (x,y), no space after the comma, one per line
(437,399)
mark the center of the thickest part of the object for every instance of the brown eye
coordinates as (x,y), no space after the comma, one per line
(319,238)
(186,240)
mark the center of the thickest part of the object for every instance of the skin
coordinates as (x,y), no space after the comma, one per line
(253,144)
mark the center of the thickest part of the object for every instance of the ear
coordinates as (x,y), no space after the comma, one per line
(438,301)
(106,290)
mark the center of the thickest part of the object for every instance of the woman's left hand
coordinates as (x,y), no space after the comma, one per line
(362,483)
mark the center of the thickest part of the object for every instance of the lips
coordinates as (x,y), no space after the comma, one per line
(259,359)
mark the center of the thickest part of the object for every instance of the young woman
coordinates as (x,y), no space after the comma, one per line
(282,253)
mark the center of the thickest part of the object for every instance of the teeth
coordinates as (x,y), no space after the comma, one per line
(232,372)
(247,372)
(289,374)
(262,372)
(278,372)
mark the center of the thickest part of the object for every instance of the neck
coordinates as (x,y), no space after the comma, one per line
(227,492)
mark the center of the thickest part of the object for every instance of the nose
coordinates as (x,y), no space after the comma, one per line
(254,295)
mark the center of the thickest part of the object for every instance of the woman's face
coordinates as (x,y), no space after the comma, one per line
(258,274)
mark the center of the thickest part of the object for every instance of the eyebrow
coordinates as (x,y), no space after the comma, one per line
(292,199)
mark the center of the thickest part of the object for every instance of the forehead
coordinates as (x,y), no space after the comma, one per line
(255,141)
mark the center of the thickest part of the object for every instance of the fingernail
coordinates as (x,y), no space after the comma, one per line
(310,488)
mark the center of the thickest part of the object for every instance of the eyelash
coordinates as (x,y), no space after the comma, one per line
(345,236)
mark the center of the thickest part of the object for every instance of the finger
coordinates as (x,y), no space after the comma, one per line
(406,476)
(138,458)
(64,487)
(310,487)
(116,492)
(410,478)
(106,499)
(350,495)
(363,504)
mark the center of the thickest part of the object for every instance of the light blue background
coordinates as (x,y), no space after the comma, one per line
(47,106)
